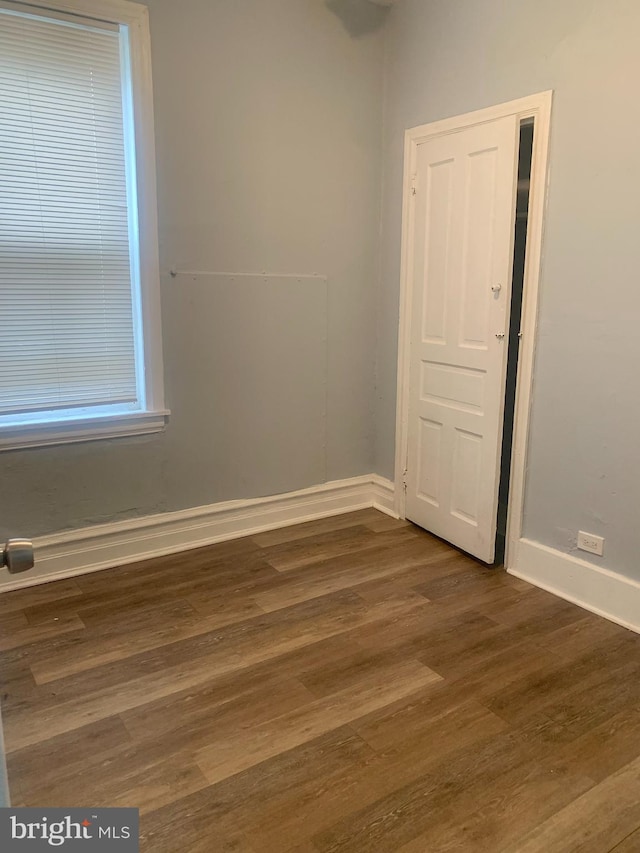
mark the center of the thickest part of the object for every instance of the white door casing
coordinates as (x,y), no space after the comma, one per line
(537,107)
(462,262)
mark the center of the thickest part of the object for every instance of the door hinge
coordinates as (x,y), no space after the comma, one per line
(414,185)
(404,480)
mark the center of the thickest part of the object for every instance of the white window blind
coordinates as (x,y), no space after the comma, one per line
(69,328)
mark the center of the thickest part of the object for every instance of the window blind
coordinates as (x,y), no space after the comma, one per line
(67,327)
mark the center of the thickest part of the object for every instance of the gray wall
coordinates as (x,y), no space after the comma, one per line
(268,118)
(268,123)
(445,58)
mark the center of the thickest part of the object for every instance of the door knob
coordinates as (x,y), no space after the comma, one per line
(496,288)
(17,556)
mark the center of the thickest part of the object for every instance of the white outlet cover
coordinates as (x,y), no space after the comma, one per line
(591,543)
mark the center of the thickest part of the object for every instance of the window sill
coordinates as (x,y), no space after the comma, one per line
(89,429)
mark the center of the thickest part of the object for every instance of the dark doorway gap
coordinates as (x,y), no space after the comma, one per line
(517,288)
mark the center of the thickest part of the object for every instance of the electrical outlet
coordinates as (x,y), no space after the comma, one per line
(590,542)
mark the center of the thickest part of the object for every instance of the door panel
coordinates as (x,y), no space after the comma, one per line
(461,287)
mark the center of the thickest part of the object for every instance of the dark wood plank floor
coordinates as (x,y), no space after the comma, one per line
(351,685)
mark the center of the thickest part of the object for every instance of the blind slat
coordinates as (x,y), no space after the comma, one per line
(67,339)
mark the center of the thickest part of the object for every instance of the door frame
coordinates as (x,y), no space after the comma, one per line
(538,107)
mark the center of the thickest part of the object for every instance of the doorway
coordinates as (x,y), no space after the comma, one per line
(517,288)
(469,286)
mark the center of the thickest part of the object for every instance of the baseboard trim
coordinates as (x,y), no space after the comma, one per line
(384,495)
(91,549)
(589,586)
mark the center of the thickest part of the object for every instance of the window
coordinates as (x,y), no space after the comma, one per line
(80,350)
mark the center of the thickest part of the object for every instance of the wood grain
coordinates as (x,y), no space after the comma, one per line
(347,685)
(580,826)
(631,844)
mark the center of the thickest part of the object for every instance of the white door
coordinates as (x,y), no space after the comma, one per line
(461,268)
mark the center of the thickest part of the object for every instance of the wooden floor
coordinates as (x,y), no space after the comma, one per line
(352,685)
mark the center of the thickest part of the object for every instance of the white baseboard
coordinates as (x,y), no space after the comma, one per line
(596,589)
(384,495)
(90,549)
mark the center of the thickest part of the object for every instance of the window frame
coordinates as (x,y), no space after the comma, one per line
(76,426)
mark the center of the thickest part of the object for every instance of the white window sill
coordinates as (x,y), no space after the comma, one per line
(83,429)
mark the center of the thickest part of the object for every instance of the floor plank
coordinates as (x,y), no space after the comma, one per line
(316,806)
(631,844)
(308,722)
(283,535)
(580,826)
(346,685)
